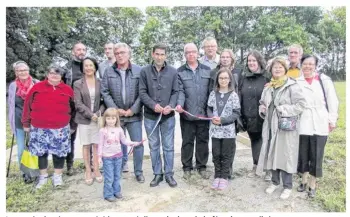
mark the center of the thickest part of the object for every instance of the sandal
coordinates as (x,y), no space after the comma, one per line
(89,181)
(99,179)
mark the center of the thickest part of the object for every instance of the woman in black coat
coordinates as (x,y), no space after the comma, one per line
(250,87)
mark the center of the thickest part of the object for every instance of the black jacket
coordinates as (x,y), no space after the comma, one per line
(193,90)
(158,88)
(250,88)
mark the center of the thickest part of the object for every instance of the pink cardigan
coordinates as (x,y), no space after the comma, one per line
(110,142)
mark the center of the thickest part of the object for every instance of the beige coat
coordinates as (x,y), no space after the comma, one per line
(315,118)
(282,152)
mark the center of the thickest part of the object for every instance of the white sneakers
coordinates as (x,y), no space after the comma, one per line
(271,189)
(42,181)
(56,180)
(285,193)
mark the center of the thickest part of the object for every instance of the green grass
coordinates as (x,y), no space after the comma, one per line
(8,134)
(332,186)
(21,197)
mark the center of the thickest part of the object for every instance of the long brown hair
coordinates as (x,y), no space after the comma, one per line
(231,84)
(111,112)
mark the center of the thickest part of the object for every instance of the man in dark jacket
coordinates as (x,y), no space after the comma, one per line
(194,79)
(158,92)
(71,74)
(120,90)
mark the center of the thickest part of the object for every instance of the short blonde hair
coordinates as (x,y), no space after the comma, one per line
(111,112)
(280,60)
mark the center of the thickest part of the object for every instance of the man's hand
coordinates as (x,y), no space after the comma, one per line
(179,109)
(158,108)
(216,120)
(26,129)
(129,113)
(122,112)
(167,110)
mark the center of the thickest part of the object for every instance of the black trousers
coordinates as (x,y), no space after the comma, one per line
(256,142)
(223,154)
(311,152)
(70,156)
(233,157)
(58,162)
(287,178)
(199,131)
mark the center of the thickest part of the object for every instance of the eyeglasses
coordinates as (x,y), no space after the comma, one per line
(23,70)
(54,73)
(121,53)
(191,52)
(210,46)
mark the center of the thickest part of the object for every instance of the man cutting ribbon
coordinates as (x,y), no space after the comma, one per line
(158,92)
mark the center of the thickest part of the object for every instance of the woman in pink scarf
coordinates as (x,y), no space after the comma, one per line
(18,90)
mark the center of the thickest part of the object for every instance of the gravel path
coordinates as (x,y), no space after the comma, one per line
(243,195)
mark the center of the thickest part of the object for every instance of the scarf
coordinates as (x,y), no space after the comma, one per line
(276,83)
(23,87)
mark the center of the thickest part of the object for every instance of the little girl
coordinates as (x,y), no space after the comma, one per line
(109,149)
(224,108)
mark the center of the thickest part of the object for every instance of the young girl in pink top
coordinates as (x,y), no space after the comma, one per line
(110,152)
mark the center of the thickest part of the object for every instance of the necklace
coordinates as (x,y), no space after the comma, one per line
(222,94)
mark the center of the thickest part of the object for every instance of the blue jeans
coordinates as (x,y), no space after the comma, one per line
(135,132)
(112,175)
(166,128)
(20,134)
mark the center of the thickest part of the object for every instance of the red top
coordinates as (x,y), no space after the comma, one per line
(316,77)
(48,106)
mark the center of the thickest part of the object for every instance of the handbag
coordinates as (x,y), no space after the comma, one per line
(287,123)
(29,163)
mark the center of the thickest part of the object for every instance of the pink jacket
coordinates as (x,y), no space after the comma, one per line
(110,142)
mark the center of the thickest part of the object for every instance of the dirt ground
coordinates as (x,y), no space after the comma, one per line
(243,195)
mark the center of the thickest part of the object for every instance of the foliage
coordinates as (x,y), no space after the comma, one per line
(41,36)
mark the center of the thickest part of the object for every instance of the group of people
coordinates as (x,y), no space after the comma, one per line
(287,110)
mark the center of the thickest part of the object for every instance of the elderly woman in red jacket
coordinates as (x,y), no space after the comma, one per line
(47,113)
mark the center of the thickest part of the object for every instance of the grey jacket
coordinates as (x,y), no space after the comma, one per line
(193,90)
(280,148)
(111,90)
(158,88)
(82,102)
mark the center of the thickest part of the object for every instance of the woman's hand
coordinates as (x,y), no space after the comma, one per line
(262,109)
(331,127)
(94,118)
(216,120)
(26,129)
